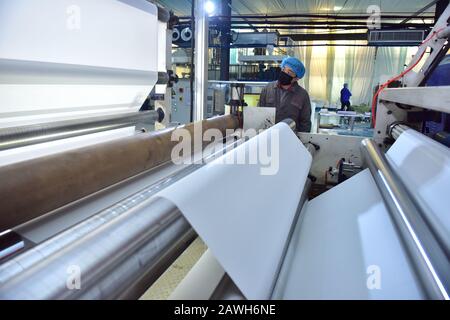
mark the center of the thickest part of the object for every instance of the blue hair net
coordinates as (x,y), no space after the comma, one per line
(296,65)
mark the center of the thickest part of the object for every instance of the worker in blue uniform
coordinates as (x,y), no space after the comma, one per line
(345,98)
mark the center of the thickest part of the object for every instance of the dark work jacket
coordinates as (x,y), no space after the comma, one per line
(345,95)
(293,103)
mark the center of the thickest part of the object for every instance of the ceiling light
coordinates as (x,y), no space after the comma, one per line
(209,7)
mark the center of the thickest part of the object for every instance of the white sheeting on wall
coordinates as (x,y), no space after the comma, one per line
(361,67)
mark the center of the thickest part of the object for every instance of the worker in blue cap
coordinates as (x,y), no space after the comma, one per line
(345,98)
(285,94)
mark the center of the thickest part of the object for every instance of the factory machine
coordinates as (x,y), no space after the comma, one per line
(81,169)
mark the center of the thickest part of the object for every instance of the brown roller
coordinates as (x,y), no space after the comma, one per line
(32,188)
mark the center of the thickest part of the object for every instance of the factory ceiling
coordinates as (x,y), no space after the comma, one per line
(182,7)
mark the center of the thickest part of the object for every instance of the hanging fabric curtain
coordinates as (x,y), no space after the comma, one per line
(328,68)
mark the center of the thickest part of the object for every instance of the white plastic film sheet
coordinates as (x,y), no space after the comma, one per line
(424,166)
(346,247)
(244,212)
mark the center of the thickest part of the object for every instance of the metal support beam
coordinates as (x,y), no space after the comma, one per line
(363,17)
(225,40)
(201,60)
(414,79)
(431,98)
(441,5)
(417,13)
(323,37)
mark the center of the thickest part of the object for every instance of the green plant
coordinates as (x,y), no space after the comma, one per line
(361,108)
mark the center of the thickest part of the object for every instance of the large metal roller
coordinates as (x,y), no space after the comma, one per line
(108,262)
(119,251)
(16,137)
(126,274)
(32,188)
(425,250)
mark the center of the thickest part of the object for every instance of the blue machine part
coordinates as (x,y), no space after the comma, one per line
(440,77)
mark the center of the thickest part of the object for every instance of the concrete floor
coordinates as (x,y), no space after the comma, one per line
(170,279)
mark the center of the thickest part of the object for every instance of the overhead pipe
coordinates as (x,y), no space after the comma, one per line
(417,13)
(290,27)
(334,24)
(319,16)
(331,23)
(201,60)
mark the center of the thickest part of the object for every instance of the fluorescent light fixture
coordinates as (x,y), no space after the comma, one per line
(209,7)
(335,8)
